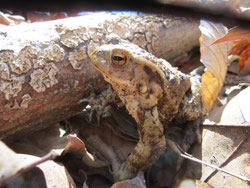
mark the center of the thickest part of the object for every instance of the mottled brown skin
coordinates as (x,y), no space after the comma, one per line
(152,91)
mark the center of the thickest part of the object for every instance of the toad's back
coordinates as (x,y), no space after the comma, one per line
(154,94)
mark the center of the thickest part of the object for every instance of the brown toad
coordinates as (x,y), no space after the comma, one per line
(154,93)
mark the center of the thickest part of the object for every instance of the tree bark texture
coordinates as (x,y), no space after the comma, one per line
(45,67)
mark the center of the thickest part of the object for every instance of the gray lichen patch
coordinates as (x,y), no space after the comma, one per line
(96,34)
(7,55)
(12,105)
(72,38)
(121,29)
(76,57)
(44,78)
(25,101)
(4,71)
(92,46)
(20,66)
(23,63)
(54,53)
(12,86)
(39,63)
(15,105)
(29,52)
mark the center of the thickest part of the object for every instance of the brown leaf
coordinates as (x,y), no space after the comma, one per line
(77,147)
(214,57)
(235,34)
(138,181)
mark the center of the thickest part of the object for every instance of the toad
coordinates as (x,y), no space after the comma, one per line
(156,94)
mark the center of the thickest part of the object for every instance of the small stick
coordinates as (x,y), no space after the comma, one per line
(182,153)
(50,156)
(237,80)
(227,159)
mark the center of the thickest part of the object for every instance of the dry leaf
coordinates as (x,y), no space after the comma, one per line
(241,46)
(9,163)
(54,174)
(47,173)
(36,144)
(77,148)
(235,113)
(218,143)
(214,57)
(235,34)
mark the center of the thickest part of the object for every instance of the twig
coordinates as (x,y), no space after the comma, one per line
(50,156)
(182,153)
(227,159)
(237,80)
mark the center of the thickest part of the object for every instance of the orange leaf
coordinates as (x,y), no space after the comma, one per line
(241,38)
(235,34)
(214,57)
(210,89)
(244,57)
(241,48)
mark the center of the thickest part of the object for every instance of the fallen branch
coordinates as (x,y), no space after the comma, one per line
(45,67)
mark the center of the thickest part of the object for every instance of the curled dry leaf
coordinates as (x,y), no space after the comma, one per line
(54,174)
(77,147)
(9,163)
(47,173)
(214,57)
(235,34)
(241,46)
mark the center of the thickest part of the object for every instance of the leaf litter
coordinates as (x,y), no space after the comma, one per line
(90,157)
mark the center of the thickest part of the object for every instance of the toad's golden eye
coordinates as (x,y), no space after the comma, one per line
(118,58)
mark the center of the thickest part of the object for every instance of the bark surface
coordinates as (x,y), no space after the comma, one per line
(45,67)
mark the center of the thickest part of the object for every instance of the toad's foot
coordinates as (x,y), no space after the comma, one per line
(99,102)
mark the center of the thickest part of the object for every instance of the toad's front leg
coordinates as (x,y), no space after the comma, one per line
(151,145)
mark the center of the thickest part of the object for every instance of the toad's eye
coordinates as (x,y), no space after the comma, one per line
(118,58)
